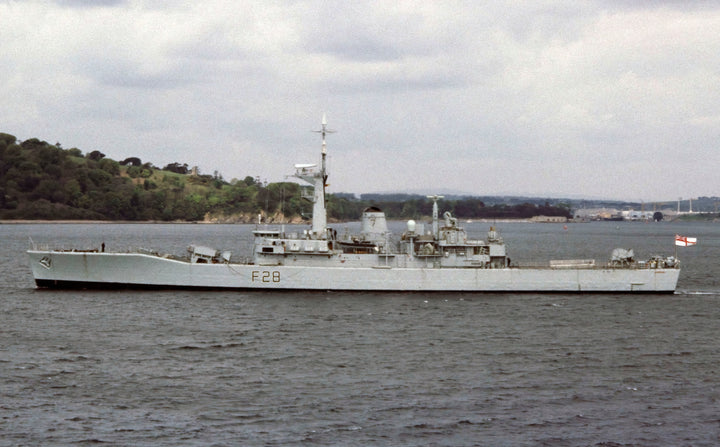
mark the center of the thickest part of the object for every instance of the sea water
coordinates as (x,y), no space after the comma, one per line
(168,368)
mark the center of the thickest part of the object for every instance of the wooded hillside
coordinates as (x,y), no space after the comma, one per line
(39,180)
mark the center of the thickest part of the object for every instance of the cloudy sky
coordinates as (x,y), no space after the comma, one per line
(611,98)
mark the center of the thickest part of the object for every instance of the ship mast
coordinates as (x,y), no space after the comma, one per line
(317,178)
(435,229)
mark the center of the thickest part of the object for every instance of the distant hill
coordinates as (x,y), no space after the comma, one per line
(39,180)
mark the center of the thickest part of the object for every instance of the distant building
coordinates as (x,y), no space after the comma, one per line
(637,215)
(596,213)
(549,219)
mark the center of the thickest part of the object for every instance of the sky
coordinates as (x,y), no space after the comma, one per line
(612,99)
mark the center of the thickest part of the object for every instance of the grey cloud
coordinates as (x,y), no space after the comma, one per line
(359,48)
(90,3)
(485,94)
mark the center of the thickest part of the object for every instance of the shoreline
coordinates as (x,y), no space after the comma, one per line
(98,222)
(202,222)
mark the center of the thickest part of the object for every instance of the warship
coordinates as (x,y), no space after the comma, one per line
(439,258)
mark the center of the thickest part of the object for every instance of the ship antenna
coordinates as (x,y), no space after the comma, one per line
(324,131)
(435,229)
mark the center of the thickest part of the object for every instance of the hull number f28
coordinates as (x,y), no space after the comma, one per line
(265,276)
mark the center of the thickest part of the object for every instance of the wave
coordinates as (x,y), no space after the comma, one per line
(697,292)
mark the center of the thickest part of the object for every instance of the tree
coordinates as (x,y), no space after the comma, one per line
(134,171)
(110,166)
(95,156)
(73,192)
(177,168)
(6,140)
(100,177)
(33,144)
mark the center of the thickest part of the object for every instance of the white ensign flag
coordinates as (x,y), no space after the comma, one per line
(685,241)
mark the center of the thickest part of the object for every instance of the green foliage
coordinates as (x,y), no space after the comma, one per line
(110,166)
(95,155)
(6,140)
(43,181)
(134,171)
(177,168)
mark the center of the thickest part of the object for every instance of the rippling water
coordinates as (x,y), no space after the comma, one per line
(216,368)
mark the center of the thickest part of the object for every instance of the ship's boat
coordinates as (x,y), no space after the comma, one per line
(437,258)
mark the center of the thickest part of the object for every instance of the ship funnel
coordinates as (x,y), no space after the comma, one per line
(374,225)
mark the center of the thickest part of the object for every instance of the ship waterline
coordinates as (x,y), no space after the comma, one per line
(138,270)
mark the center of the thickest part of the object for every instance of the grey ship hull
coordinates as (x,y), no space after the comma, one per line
(141,270)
